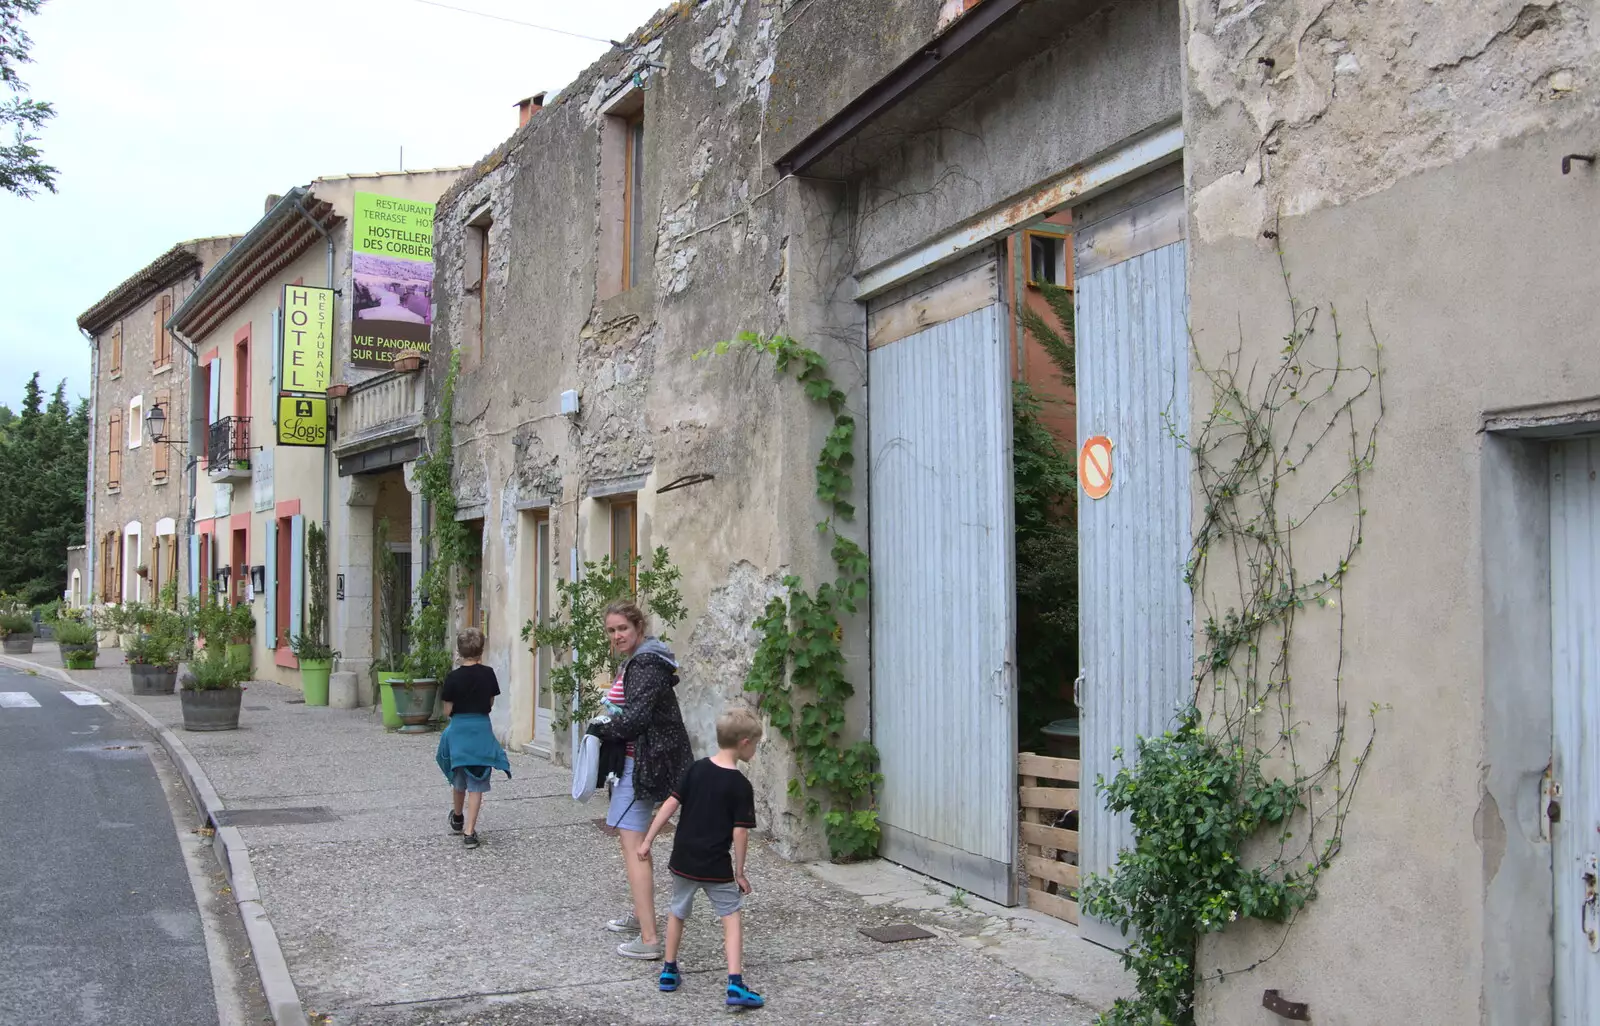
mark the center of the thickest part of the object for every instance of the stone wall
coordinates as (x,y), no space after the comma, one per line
(1406,157)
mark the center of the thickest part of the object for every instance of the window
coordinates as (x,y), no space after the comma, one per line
(241,376)
(239,580)
(1047,259)
(114,451)
(161,454)
(135,421)
(625,537)
(284,585)
(627,236)
(475,613)
(637,236)
(477,283)
(544,701)
(116,349)
(159,334)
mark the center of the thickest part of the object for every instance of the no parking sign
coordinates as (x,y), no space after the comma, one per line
(1094,467)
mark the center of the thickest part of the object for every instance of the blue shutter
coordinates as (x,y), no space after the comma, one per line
(297,573)
(277,356)
(194,564)
(272,584)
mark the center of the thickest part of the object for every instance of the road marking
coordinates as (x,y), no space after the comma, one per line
(17,700)
(83,698)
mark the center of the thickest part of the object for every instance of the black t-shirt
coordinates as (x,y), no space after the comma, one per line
(470,689)
(714,800)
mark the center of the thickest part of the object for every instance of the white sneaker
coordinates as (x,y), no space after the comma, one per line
(624,924)
(637,948)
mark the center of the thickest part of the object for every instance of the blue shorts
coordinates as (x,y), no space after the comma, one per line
(628,812)
(465,778)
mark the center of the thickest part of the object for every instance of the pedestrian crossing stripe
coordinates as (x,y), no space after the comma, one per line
(83,698)
(17,700)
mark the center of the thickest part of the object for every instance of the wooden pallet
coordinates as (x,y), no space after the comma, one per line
(1049,786)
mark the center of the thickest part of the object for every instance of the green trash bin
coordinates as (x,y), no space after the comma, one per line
(1061,738)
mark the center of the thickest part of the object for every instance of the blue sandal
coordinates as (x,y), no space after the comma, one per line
(669,980)
(740,996)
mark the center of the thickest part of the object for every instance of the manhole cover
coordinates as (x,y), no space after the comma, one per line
(896,933)
(275,817)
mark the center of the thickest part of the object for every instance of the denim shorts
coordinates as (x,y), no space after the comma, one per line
(626,811)
(465,778)
(726,898)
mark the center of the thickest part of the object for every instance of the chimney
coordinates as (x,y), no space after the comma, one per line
(526,109)
(272,201)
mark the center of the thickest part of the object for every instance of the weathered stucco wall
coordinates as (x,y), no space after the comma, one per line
(1413,151)
(734,251)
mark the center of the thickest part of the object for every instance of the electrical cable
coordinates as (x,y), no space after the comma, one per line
(524,24)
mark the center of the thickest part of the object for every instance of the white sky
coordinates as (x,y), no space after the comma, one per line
(177,118)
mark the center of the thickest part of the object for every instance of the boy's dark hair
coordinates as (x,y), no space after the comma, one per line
(470,643)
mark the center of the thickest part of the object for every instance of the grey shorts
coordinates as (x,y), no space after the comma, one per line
(466,779)
(726,898)
(627,811)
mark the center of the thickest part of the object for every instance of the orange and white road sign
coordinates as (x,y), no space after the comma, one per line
(1094,467)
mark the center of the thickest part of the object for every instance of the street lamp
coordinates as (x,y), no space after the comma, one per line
(155,425)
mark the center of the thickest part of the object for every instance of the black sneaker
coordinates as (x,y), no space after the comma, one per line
(470,840)
(458,822)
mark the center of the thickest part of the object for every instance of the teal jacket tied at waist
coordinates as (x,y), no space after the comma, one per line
(469,741)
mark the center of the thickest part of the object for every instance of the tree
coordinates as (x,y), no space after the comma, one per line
(22,171)
(44,459)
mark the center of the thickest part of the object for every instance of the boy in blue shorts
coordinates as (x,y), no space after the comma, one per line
(468,750)
(718,813)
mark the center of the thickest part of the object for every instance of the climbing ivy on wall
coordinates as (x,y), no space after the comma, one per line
(1237,812)
(429,627)
(798,674)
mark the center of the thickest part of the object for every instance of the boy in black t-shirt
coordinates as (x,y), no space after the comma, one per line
(718,813)
(468,750)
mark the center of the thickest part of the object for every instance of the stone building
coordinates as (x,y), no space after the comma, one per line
(139,488)
(313,432)
(851,174)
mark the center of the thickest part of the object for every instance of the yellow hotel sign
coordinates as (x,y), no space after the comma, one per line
(307,340)
(302,420)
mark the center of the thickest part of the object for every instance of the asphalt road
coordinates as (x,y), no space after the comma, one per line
(98,922)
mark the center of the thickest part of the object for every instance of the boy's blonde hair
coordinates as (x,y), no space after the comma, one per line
(470,643)
(736,725)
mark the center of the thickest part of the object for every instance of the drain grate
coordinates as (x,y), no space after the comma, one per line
(301,816)
(257,708)
(896,933)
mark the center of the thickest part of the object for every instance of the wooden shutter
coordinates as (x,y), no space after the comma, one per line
(165,335)
(116,348)
(162,455)
(114,451)
(297,574)
(272,584)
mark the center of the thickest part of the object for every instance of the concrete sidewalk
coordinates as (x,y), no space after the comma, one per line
(384,918)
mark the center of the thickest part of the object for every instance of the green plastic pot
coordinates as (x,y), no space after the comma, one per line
(314,674)
(391,716)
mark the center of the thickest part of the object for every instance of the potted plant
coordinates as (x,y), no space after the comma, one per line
(416,693)
(311,649)
(212,690)
(79,643)
(44,618)
(241,633)
(338,391)
(153,653)
(143,570)
(389,667)
(17,630)
(408,360)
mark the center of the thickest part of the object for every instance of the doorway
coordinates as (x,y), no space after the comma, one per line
(1575,748)
(943,597)
(543,602)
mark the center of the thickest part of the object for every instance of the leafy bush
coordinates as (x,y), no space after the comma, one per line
(162,637)
(241,625)
(214,671)
(313,644)
(15,623)
(49,611)
(82,659)
(73,632)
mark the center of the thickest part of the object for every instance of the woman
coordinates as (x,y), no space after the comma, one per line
(644,713)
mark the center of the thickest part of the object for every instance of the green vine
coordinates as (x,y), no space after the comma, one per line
(428,629)
(798,673)
(1279,450)
(577,626)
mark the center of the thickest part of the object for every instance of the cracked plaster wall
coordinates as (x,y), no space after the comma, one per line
(1413,150)
(735,250)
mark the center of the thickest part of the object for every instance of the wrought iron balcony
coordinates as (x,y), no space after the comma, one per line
(228,449)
